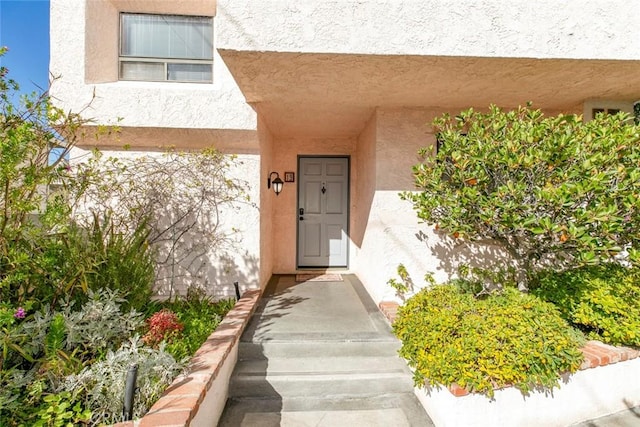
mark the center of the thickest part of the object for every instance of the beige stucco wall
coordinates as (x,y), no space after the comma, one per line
(364,170)
(268,241)
(392,228)
(495,28)
(84,54)
(237,259)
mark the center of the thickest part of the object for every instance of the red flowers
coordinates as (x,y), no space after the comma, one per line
(163,325)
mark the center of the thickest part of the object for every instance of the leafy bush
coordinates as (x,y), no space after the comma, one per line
(101,323)
(62,364)
(59,410)
(200,317)
(64,266)
(163,326)
(45,347)
(122,261)
(506,339)
(101,386)
(603,301)
(547,190)
(50,269)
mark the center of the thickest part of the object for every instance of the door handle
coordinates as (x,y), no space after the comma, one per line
(301,211)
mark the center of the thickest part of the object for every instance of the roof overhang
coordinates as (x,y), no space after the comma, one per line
(333,95)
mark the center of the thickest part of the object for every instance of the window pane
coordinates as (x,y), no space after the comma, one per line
(149,71)
(165,36)
(190,72)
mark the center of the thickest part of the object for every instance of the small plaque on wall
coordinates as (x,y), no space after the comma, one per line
(289,177)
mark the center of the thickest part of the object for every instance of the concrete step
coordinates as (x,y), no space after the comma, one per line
(321,365)
(391,409)
(328,385)
(275,349)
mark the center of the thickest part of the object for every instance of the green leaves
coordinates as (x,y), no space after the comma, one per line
(603,300)
(548,189)
(58,410)
(508,339)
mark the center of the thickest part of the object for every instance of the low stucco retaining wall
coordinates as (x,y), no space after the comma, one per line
(587,394)
(198,397)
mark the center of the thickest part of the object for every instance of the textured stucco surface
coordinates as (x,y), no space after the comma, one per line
(238,260)
(364,170)
(84,46)
(400,134)
(268,236)
(306,64)
(155,138)
(495,28)
(391,227)
(329,95)
(586,395)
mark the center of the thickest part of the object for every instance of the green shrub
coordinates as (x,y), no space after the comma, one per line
(200,317)
(506,339)
(100,324)
(42,349)
(50,269)
(61,410)
(548,190)
(603,301)
(122,261)
(101,386)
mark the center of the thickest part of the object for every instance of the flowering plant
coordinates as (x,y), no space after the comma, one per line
(19,313)
(163,326)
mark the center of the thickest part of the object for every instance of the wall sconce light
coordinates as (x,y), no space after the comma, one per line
(277,183)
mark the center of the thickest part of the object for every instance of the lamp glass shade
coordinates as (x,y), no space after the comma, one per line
(277,185)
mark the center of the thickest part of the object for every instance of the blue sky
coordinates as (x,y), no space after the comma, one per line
(24,29)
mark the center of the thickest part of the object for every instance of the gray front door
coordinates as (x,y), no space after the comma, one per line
(323,211)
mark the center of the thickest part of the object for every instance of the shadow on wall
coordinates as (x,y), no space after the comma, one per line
(211,262)
(452,253)
(215,274)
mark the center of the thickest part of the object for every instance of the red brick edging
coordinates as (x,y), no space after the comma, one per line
(595,353)
(181,400)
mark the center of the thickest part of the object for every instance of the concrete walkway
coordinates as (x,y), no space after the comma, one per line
(319,353)
(627,418)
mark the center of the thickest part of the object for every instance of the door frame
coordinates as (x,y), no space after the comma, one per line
(321,156)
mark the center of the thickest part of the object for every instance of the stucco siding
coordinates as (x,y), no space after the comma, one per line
(364,171)
(215,269)
(393,234)
(268,241)
(494,28)
(401,132)
(84,55)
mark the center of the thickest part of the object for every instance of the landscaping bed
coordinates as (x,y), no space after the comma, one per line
(69,365)
(554,199)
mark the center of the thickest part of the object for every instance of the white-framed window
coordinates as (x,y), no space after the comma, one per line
(593,107)
(166,48)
